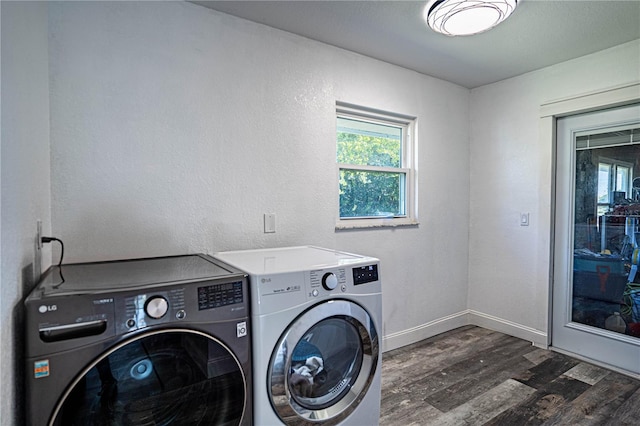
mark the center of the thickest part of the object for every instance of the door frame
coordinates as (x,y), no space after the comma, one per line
(549,113)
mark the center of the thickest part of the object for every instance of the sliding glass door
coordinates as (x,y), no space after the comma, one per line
(596,291)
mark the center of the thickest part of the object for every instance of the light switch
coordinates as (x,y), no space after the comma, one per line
(524,219)
(269,223)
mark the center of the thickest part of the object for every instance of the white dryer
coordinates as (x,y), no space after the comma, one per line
(317,319)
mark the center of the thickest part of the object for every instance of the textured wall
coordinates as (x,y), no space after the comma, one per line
(511,173)
(25,181)
(174,128)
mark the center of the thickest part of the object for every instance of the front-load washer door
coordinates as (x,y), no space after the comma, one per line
(177,377)
(323,364)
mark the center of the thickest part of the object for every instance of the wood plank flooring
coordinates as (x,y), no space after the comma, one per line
(474,376)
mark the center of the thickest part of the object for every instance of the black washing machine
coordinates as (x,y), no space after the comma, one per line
(156,341)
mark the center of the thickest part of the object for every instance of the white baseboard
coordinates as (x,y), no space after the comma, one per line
(424,331)
(466,317)
(537,337)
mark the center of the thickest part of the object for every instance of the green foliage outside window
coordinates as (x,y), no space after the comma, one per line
(370,193)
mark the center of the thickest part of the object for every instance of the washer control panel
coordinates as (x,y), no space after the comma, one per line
(218,295)
(99,300)
(194,302)
(142,310)
(156,307)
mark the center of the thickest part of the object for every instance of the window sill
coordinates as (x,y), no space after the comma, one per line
(344,225)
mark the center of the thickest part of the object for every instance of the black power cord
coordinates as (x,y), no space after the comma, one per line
(48,240)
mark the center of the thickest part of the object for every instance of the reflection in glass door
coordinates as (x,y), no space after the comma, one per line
(607,233)
(596,298)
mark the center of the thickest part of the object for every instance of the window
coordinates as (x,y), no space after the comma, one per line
(614,183)
(376,168)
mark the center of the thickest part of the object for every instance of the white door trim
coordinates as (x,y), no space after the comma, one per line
(549,112)
(607,98)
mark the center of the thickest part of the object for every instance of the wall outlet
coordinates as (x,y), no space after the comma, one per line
(269,223)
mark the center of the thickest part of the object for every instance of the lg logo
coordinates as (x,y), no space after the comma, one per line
(47,308)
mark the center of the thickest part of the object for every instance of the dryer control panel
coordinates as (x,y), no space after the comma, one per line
(281,291)
(365,274)
(343,280)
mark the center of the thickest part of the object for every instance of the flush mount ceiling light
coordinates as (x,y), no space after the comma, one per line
(466,17)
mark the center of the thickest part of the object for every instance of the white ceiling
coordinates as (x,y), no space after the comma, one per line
(538,34)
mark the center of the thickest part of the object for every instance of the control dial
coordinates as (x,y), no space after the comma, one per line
(156,307)
(329,281)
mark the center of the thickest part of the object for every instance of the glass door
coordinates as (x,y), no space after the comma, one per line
(596,291)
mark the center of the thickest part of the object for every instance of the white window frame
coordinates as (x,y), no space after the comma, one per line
(407,167)
(612,184)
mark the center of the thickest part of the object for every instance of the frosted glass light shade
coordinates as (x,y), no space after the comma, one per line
(467,17)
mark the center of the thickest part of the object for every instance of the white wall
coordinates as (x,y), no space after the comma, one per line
(511,172)
(25,181)
(174,128)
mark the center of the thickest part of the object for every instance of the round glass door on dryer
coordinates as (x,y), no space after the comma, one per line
(165,377)
(323,364)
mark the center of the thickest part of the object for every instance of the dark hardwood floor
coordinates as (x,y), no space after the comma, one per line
(475,376)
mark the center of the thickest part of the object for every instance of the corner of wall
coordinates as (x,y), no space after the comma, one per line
(26,187)
(536,337)
(424,331)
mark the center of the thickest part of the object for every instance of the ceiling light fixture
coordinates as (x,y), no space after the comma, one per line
(466,17)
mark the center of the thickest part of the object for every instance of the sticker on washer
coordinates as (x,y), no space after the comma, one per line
(287,289)
(41,368)
(241,329)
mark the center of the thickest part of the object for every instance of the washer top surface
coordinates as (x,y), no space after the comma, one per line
(289,259)
(99,277)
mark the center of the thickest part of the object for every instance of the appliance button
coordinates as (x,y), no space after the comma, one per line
(181,314)
(343,288)
(315,293)
(156,307)
(131,323)
(329,281)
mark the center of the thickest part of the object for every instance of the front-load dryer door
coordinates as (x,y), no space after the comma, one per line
(323,364)
(177,377)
